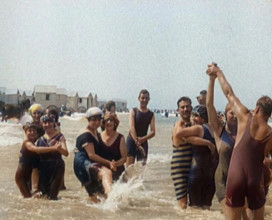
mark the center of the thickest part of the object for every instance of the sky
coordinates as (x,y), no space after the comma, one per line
(115,48)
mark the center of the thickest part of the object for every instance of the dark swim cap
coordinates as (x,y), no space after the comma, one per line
(201,110)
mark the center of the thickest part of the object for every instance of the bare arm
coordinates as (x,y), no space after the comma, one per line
(151,133)
(41,150)
(212,115)
(195,130)
(197,141)
(123,151)
(63,150)
(89,148)
(238,108)
(132,130)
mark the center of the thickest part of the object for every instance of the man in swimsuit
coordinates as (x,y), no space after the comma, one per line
(253,142)
(139,121)
(201,183)
(182,154)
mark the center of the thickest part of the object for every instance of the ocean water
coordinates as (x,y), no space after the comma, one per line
(149,193)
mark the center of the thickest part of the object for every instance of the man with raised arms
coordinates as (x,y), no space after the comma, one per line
(253,142)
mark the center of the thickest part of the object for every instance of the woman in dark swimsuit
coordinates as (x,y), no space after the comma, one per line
(51,164)
(113,148)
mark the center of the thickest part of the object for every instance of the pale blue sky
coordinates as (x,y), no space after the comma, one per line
(116,48)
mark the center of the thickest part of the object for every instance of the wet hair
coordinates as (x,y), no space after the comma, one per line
(143,91)
(265,104)
(109,104)
(201,110)
(55,113)
(185,99)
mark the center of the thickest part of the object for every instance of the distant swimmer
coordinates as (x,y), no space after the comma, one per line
(140,119)
(253,143)
(201,99)
(224,133)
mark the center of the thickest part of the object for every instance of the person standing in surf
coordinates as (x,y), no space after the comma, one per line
(224,135)
(182,151)
(140,119)
(26,163)
(51,168)
(112,149)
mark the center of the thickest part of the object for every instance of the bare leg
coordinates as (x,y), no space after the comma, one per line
(258,214)
(183,202)
(223,205)
(35,179)
(130,160)
(22,176)
(106,179)
(233,213)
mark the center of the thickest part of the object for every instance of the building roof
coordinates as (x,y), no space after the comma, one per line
(11,91)
(50,89)
(119,100)
(61,91)
(71,93)
(84,94)
(45,89)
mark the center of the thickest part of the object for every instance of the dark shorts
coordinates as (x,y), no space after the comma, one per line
(86,172)
(132,149)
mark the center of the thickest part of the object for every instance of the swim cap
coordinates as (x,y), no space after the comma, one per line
(93,111)
(201,110)
(35,107)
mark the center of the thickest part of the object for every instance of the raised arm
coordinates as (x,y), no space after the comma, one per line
(238,108)
(214,121)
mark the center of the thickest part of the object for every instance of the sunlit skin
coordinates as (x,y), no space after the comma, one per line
(185,110)
(94,123)
(48,126)
(231,118)
(197,119)
(143,99)
(36,116)
(31,134)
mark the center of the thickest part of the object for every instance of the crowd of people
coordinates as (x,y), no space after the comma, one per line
(236,170)
(100,158)
(214,153)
